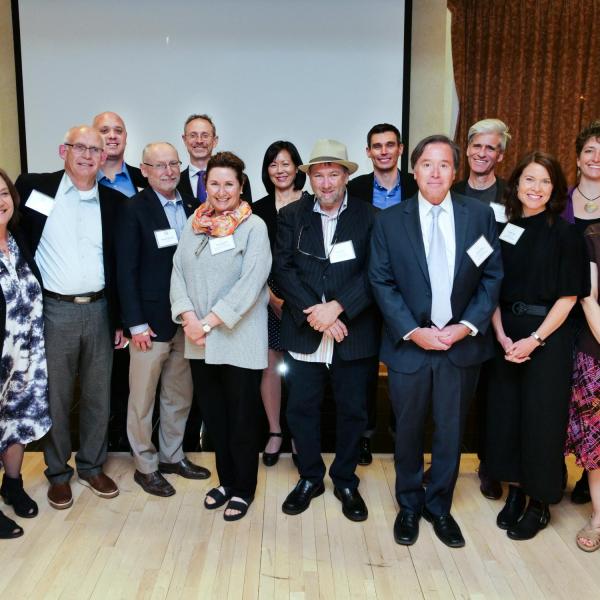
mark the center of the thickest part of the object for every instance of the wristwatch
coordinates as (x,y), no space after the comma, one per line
(538,339)
(205,327)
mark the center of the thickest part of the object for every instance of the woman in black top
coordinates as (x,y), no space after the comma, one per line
(283,182)
(529,388)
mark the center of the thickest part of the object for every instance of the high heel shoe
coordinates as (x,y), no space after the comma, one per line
(509,516)
(270,458)
(534,519)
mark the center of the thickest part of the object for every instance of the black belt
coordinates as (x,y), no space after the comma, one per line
(76,299)
(520,309)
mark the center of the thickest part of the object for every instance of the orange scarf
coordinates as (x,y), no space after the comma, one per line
(206,221)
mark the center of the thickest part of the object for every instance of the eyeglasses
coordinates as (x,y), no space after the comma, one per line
(318,257)
(174,164)
(80,149)
(202,136)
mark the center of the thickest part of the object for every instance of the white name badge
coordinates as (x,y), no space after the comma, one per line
(341,252)
(222,244)
(511,234)
(499,212)
(479,251)
(165,238)
(40,203)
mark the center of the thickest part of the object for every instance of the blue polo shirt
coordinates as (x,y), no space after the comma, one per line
(384,198)
(122,182)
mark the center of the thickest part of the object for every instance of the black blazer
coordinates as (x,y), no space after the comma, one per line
(304,280)
(28,257)
(33,222)
(400,280)
(185,189)
(144,269)
(460,187)
(362,186)
(138,180)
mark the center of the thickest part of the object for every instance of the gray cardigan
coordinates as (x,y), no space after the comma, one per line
(232,284)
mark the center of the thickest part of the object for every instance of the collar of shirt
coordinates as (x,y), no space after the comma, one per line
(317,208)
(425,206)
(379,187)
(194,170)
(66,186)
(124,172)
(165,201)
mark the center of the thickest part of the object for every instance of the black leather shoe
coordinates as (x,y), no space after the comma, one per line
(406,528)
(581,491)
(154,483)
(353,506)
(299,498)
(513,509)
(446,528)
(364,452)
(270,458)
(185,468)
(534,519)
(490,488)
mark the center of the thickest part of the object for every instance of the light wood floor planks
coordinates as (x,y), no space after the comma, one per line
(140,546)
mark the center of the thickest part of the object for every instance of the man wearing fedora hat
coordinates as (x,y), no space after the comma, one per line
(329,324)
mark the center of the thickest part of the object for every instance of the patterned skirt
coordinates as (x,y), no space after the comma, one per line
(583,433)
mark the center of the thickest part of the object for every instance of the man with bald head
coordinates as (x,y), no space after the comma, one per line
(115,173)
(148,231)
(69,221)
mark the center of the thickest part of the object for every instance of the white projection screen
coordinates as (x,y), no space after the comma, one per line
(262,69)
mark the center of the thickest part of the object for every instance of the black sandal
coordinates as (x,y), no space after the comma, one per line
(13,493)
(8,528)
(237,505)
(270,458)
(218,496)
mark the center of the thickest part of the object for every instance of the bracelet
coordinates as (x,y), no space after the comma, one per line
(538,339)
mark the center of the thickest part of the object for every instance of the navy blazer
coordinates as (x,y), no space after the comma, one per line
(33,223)
(304,280)
(138,180)
(144,269)
(186,191)
(362,186)
(400,280)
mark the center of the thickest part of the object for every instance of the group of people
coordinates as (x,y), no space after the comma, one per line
(468,289)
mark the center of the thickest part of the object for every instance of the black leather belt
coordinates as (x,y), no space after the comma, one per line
(521,308)
(86,298)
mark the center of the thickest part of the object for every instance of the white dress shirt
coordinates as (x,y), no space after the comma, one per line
(194,174)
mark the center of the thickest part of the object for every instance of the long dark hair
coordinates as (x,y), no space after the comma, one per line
(14,220)
(272,151)
(558,197)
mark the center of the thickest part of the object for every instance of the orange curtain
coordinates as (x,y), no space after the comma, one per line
(535,64)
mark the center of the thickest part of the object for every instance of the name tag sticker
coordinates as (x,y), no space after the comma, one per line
(341,252)
(479,251)
(165,237)
(511,234)
(499,212)
(40,203)
(222,244)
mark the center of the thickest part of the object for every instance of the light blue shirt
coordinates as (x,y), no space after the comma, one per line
(384,198)
(69,254)
(122,181)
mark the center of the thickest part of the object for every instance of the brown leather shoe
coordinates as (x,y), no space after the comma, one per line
(102,485)
(60,496)
(154,483)
(185,468)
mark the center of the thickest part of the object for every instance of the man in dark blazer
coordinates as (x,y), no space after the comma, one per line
(69,222)
(329,323)
(149,228)
(436,271)
(385,186)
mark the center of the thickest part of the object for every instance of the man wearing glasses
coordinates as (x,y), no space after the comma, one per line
(149,227)
(200,139)
(329,324)
(69,221)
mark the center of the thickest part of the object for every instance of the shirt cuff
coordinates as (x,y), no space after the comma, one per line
(139,329)
(474,331)
(407,336)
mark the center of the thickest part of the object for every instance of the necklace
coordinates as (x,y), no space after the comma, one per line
(589,206)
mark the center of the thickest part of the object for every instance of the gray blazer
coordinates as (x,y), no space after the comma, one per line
(232,284)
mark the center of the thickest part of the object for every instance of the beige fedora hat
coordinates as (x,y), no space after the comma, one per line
(329,151)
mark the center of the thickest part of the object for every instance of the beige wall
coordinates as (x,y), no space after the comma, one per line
(433,103)
(9,127)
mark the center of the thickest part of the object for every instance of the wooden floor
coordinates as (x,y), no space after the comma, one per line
(140,546)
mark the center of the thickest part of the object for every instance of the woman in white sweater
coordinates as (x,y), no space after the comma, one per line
(219,294)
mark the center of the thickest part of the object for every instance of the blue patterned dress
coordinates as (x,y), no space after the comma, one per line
(24,413)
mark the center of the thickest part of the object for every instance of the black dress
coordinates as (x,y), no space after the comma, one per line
(528,403)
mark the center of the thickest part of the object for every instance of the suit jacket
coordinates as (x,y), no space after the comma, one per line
(362,186)
(304,280)
(401,286)
(28,257)
(33,223)
(185,189)
(460,187)
(138,180)
(144,269)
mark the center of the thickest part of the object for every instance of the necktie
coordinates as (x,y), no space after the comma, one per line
(441,309)
(201,189)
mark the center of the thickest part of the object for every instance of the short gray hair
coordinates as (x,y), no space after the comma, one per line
(151,145)
(490,126)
